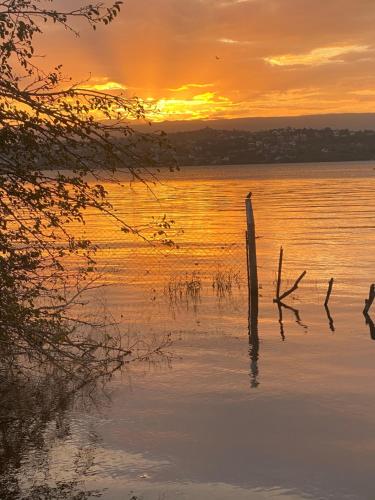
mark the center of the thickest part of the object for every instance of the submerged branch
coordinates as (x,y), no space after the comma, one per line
(293,288)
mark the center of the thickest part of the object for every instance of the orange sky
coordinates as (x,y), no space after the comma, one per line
(230,58)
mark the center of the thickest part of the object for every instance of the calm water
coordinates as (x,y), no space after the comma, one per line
(219,421)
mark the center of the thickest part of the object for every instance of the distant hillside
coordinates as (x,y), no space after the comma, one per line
(230,147)
(352,121)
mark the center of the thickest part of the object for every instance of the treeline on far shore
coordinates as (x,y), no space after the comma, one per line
(288,145)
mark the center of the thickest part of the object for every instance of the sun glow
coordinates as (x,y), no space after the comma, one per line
(199,106)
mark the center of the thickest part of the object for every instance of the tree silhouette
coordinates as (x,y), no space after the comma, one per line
(58,142)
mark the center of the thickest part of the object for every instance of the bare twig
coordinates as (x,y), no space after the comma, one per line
(329,291)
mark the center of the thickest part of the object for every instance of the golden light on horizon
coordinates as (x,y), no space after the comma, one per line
(199,106)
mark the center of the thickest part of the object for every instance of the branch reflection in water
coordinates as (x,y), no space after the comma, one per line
(298,320)
(34,421)
(43,455)
(371,325)
(183,293)
(366,312)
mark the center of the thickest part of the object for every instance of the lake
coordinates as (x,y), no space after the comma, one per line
(219,417)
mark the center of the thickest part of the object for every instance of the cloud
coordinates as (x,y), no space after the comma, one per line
(230,41)
(105,87)
(364,92)
(189,86)
(316,57)
(253,53)
(229,3)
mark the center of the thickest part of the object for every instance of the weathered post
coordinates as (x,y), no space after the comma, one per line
(252,277)
(279,273)
(252,270)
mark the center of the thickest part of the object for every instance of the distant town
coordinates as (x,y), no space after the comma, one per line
(209,146)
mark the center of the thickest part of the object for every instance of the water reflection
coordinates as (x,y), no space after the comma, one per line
(330,319)
(297,316)
(253,339)
(371,325)
(183,293)
(281,322)
(301,416)
(34,421)
(366,311)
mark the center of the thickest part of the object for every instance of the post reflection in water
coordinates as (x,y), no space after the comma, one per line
(253,339)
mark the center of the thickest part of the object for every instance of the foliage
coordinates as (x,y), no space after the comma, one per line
(58,142)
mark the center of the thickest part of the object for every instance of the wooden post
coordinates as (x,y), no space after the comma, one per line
(252,279)
(329,291)
(279,273)
(251,254)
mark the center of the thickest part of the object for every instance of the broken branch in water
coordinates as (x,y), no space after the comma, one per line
(329,291)
(294,287)
(279,297)
(370,300)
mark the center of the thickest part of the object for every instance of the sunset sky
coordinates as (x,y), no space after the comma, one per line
(230,58)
